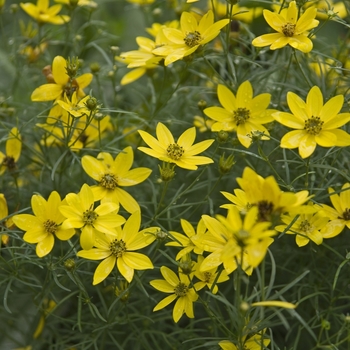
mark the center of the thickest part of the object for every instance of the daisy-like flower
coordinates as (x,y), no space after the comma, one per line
(81,214)
(182,153)
(243,113)
(5,221)
(209,277)
(74,107)
(112,174)
(328,8)
(190,37)
(42,13)
(315,123)
(185,242)
(45,224)
(179,288)
(202,124)
(13,151)
(252,343)
(119,250)
(60,83)
(339,215)
(290,30)
(88,3)
(306,227)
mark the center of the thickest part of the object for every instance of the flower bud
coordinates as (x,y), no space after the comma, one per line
(167,172)
(222,136)
(73,65)
(69,264)
(225,164)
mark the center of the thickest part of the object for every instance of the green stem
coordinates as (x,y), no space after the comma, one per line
(301,69)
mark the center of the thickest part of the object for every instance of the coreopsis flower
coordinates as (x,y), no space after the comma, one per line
(315,123)
(45,224)
(308,226)
(242,113)
(74,107)
(179,288)
(290,29)
(60,83)
(184,241)
(339,216)
(119,250)
(190,37)
(328,9)
(252,343)
(209,277)
(266,195)
(112,174)
(5,221)
(42,13)
(183,153)
(13,151)
(202,124)
(80,214)
(88,3)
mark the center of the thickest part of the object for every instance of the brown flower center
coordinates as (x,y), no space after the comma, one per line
(9,162)
(89,217)
(181,290)
(50,226)
(241,115)
(117,247)
(175,151)
(288,29)
(265,210)
(305,226)
(207,276)
(346,214)
(192,38)
(109,181)
(313,125)
(70,88)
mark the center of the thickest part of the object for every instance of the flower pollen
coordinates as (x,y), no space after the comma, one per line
(50,226)
(346,214)
(207,276)
(109,181)
(305,226)
(89,217)
(181,290)
(241,115)
(117,247)
(175,151)
(313,125)
(192,38)
(288,29)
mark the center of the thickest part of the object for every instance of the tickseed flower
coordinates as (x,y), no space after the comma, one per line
(315,123)
(45,224)
(184,241)
(243,113)
(74,107)
(42,13)
(339,215)
(306,227)
(119,250)
(112,174)
(209,277)
(60,83)
(266,195)
(182,153)
(81,214)
(13,151)
(252,343)
(202,124)
(88,3)
(291,30)
(327,8)
(5,222)
(190,37)
(179,288)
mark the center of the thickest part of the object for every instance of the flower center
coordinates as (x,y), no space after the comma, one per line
(313,125)
(175,151)
(265,210)
(50,226)
(109,181)
(241,115)
(241,237)
(192,38)
(346,214)
(9,162)
(288,29)
(207,276)
(70,88)
(89,217)
(181,290)
(117,247)
(305,227)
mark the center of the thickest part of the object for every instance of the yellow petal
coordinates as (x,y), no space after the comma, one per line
(45,246)
(275,303)
(104,269)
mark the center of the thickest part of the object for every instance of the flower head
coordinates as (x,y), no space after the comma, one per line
(179,288)
(45,224)
(315,123)
(13,151)
(182,153)
(242,113)
(290,29)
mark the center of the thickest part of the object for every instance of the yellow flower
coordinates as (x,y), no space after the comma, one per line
(42,13)
(13,151)
(88,3)
(316,123)
(243,113)
(60,83)
(329,8)
(81,214)
(74,107)
(182,153)
(178,288)
(180,240)
(339,215)
(113,174)
(5,222)
(119,250)
(306,227)
(253,343)
(45,224)
(291,30)
(202,124)
(193,34)
(141,2)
